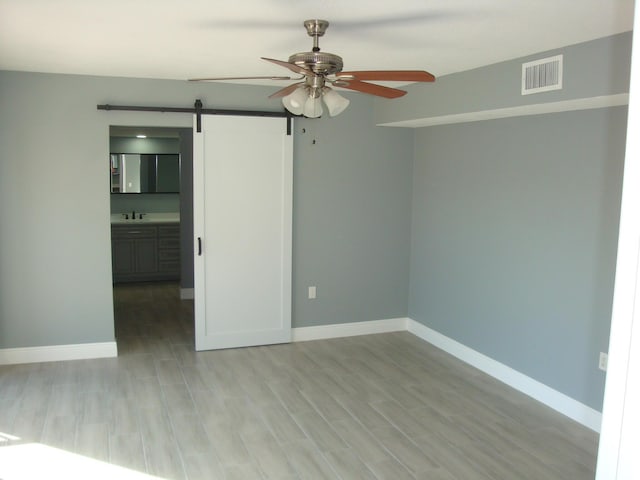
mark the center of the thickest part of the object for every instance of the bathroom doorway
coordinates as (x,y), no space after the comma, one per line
(151,218)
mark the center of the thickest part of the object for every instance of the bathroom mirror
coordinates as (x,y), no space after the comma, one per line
(144,173)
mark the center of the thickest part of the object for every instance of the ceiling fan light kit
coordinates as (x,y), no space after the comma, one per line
(294,102)
(312,107)
(321,69)
(307,101)
(335,102)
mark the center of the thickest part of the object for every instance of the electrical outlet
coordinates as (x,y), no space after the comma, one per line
(602,363)
(312,293)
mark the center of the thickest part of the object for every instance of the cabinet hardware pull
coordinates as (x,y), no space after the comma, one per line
(199,246)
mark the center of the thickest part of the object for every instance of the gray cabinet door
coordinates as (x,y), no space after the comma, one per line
(146,255)
(122,256)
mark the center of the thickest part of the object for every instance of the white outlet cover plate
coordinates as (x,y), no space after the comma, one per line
(602,364)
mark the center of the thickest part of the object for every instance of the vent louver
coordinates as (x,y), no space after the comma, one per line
(542,75)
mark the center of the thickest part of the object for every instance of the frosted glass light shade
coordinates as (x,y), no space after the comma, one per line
(312,107)
(295,101)
(335,102)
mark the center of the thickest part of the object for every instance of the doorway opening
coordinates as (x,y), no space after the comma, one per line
(151,218)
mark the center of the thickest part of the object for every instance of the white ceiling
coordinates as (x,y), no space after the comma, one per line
(180,39)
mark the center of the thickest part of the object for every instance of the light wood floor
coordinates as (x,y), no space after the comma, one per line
(385,406)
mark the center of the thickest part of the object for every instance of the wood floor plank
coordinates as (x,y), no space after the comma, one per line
(96,408)
(347,465)
(290,396)
(127,451)
(177,399)
(391,469)
(364,412)
(28,425)
(163,458)
(203,467)
(190,435)
(451,459)
(361,441)
(406,451)
(227,444)
(65,400)
(92,440)
(169,372)
(268,455)
(242,472)
(281,424)
(326,405)
(308,462)
(124,416)
(402,418)
(318,430)
(60,431)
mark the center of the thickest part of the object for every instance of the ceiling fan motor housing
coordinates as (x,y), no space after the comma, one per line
(321,63)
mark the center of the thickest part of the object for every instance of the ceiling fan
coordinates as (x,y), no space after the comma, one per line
(318,70)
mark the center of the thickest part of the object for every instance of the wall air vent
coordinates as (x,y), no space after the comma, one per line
(542,75)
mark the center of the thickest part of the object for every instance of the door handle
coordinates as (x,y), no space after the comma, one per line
(199,246)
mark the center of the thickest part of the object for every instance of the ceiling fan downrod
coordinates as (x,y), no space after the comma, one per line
(315,29)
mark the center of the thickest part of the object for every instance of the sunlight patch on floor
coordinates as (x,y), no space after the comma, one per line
(29,461)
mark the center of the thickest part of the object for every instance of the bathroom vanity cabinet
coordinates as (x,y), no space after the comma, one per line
(145,252)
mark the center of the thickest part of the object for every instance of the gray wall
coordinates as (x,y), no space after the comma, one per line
(352,203)
(514,221)
(514,240)
(55,266)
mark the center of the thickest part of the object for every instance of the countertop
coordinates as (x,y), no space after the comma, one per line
(151,218)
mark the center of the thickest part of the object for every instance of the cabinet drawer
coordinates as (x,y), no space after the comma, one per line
(146,231)
(169,267)
(169,230)
(170,243)
(165,255)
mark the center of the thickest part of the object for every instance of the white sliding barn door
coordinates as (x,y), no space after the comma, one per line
(242,226)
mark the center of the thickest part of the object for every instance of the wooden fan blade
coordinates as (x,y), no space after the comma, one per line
(285,91)
(239,78)
(291,66)
(390,75)
(370,88)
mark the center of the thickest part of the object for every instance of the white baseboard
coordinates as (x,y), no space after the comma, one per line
(56,353)
(303,334)
(187,294)
(560,402)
